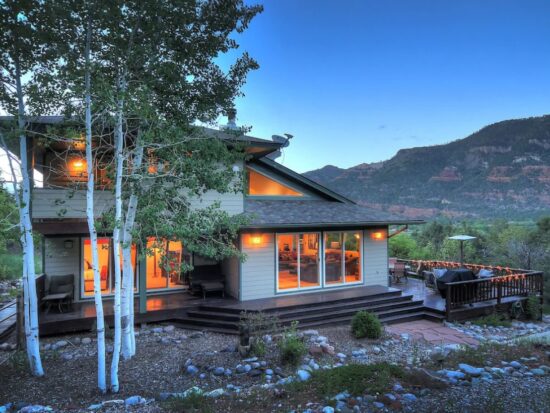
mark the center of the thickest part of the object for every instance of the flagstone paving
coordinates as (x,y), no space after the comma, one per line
(432,332)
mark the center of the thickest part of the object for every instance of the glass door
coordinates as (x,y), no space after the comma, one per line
(298,261)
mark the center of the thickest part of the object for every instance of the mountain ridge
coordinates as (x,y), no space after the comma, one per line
(500,171)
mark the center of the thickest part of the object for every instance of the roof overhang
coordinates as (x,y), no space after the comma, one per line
(328,225)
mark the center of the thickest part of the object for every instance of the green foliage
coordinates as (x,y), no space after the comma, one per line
(357,379)
(403,246)
(9,219)
(11,266)
(291,347)
(365,324)
(533,307)
(258,323)
(493,320)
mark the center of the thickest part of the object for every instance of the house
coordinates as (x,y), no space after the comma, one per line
(311,253)
(301,237)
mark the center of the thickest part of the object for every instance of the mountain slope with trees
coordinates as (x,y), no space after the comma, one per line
(503,170)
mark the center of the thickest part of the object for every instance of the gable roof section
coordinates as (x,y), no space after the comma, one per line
(297,214)
(324,192)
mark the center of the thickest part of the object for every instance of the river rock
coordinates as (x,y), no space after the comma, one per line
(470,370)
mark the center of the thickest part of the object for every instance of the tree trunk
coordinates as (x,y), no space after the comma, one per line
(101,383)
(119,157)
(29,276)
(128,339)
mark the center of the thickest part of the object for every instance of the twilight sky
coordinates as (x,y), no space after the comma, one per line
(356,80)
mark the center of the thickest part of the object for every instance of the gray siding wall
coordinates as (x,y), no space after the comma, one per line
(230,268)
(64,203)
(375,258)
(258,271)
(61,261)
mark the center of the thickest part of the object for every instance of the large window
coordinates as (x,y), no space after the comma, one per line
(261,185)
(342,257)
(163,264)
(104,255)
(106,269)
(298,261)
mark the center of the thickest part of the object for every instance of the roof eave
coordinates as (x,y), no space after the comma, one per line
(354,224)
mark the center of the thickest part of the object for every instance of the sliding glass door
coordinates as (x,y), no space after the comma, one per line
(298,261)
(342,257)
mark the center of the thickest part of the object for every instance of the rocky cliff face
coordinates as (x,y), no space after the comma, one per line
(503,171)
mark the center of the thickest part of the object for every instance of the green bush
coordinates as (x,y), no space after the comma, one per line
(533,308)
(357,379)
(11,266)
(493,320)
(366,324)
(291,347)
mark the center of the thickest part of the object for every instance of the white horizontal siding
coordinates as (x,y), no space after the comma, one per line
(65,203)
(375,258)
(258,270)
(61,261)
(232,203)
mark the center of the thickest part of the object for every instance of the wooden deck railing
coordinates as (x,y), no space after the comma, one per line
(507,282)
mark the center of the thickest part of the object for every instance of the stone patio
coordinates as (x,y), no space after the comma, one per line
(432,332)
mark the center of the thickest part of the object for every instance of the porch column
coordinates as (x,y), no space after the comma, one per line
(142,286)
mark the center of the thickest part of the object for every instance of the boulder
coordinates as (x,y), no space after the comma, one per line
(303,375)
(470,370)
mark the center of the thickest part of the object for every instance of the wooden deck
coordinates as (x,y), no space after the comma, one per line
(7,318)
(433,301)
(81,317)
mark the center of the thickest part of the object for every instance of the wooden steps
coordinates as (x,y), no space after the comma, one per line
(390,306)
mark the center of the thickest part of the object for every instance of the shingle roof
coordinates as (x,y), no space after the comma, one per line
(290,213)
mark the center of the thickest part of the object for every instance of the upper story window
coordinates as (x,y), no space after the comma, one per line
(262,185)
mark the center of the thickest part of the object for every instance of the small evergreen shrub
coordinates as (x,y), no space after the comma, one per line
(366,324)
(291,347)
(533,308)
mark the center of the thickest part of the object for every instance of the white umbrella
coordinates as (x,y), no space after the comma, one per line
(462,238)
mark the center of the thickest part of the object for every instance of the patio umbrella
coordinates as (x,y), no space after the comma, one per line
(462,238)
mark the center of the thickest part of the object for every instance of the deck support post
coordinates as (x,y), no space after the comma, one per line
(20,323)
(142,286)
(448,302)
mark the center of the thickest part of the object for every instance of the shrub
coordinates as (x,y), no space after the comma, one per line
(533,307)
(291,347)
(354,378)
(493,320)
(366,324)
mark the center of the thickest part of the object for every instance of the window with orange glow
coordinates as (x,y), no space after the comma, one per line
(103,252)
(342,257)
(298,260)
(163,264)
(261,185)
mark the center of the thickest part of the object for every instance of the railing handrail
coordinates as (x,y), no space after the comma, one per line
(496,278)
(455,264)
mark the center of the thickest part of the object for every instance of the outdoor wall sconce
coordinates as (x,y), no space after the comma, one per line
(255,239)
(377,236)
(68,244)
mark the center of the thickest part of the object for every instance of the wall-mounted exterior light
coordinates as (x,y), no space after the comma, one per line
(256,239)
(377,236)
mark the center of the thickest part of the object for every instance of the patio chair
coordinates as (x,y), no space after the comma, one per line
(399,273)
(59,291)
(205,279)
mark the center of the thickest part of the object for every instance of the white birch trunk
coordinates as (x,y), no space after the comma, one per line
(128,336)
(29,276)
(101,383)
(116,239)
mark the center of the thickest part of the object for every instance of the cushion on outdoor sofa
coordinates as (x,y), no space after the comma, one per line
(484,273)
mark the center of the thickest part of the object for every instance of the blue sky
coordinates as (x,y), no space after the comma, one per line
(356,80)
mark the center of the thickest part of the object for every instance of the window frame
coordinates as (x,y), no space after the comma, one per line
(343,263)
(298,271)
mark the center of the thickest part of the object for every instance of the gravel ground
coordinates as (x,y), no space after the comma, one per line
(158,366)
(513,395)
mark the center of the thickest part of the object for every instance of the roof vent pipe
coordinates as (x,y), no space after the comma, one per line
(231,119)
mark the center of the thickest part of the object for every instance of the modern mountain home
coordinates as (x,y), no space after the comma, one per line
(312,255)
(302,237)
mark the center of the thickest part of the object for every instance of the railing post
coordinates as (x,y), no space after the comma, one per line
(499,292)
(448,302)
